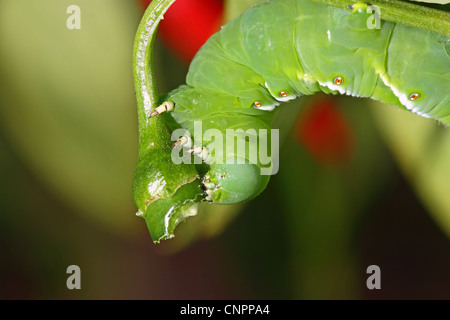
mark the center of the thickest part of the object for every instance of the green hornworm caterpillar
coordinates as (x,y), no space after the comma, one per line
(276,51)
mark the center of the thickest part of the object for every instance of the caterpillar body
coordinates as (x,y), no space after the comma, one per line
(280,50)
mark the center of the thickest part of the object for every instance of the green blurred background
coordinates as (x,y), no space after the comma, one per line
(68,148)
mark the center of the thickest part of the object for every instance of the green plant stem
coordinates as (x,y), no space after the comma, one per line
(405,13)
(165,193)
(145,84)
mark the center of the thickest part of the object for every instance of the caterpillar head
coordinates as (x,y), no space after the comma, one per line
(234,183)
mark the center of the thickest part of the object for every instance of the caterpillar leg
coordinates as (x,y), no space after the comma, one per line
(184,141)
(201,152)
(165,107)
(358,7)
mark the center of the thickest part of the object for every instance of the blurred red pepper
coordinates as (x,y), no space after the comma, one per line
(325,133)
(188,24)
